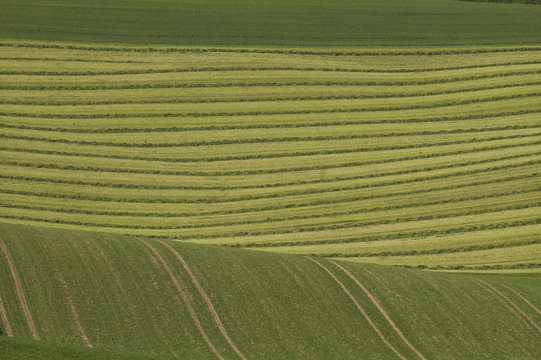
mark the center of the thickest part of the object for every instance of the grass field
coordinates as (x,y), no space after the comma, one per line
(252,179)
(279,22)
(397,156)
(285,306)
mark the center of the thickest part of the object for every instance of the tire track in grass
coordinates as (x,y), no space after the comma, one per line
(523,298)
(185,299)
(215,316)
(20,292)
(75,315)
(381,310)
(4,317)
(502,295)
(361,310)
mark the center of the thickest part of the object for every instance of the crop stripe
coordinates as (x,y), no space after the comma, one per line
(201,50)
(268,83)
(276,112)
(264,99)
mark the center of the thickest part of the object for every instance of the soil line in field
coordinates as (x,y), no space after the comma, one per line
(20,292)
(502,295)
(361,310)
(381,310)
(4,318)
(207,300)
(185,299)
(75,315)
(525,300)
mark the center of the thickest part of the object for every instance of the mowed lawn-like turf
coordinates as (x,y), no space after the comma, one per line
(164,299)
(424,157)
(276,22)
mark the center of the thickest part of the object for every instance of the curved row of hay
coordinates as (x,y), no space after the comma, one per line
(406,157)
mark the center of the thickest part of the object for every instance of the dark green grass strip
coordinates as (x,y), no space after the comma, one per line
(273,51)
(218,187)
(267,140)
(528,2)
(291,205)
(267,84)
(475,267)
(434,251)
(400,235)
(242,69)
(273,126)
(270,220)
(263,99)
(288,193)
(274,112)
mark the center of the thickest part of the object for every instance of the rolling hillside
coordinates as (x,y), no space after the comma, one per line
(169,300)
(255,179)
(416,157)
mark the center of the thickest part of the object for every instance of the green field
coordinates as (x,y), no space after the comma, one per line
(277,22)
(389,156)
(284,307)
(304,179)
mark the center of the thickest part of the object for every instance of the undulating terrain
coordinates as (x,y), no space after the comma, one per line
(270,180)
(174,299)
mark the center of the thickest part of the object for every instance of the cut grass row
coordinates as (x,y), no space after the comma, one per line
(146,100)
(361,181)
(296,203)
(14,63)
(80,177)
(414,147)
(284,227)
(139,49)
(12,83)
(446,197)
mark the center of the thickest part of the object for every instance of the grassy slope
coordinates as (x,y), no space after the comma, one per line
(248,22)
(272,306)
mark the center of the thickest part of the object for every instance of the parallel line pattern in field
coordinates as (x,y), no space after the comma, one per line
(204,295)
(20,291)
(75,315)
(381,310)
(360,308)
(524,299)
(5,320)
(245,145)
(520,311)
(186,300)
